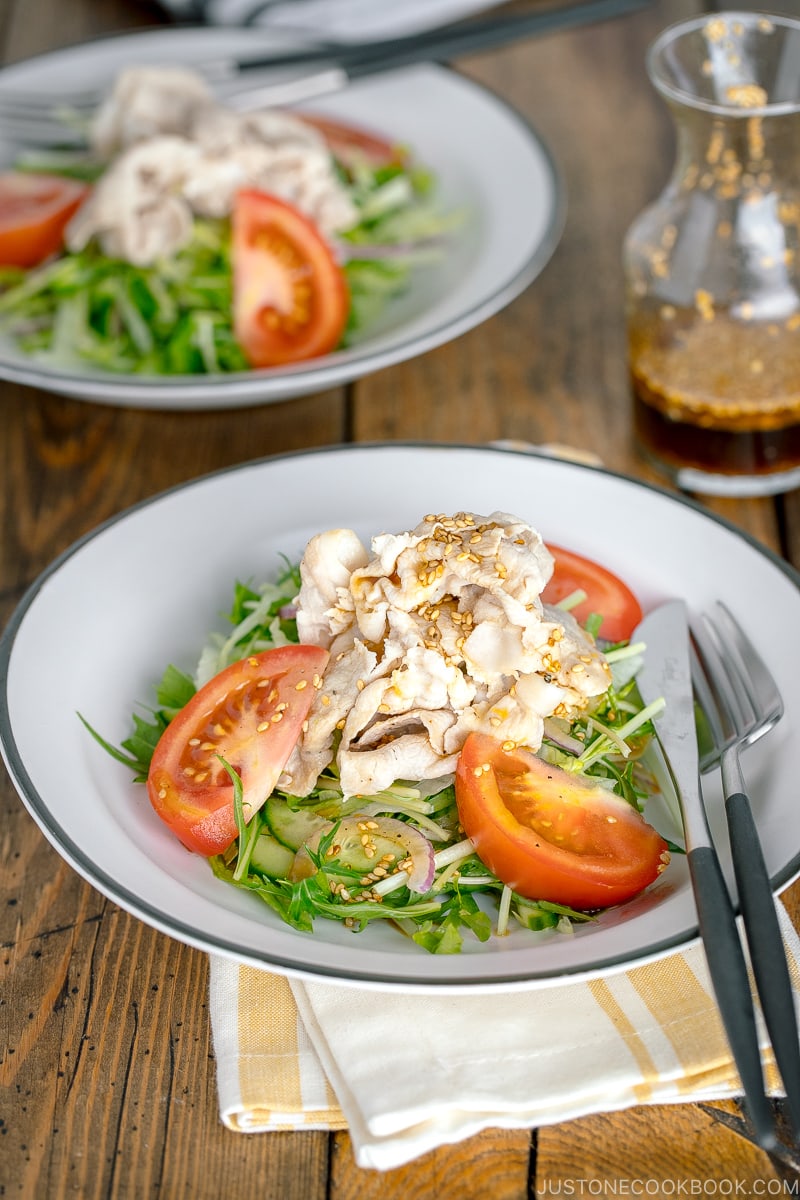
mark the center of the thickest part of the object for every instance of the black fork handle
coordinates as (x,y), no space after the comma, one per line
(728,973)
(765,943)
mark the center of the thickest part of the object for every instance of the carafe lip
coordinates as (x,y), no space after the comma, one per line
(679,96)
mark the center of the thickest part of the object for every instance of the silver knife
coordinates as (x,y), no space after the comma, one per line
(666,673)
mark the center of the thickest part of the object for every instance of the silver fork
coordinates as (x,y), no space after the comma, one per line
(66,123)
(741,703)
(317,68)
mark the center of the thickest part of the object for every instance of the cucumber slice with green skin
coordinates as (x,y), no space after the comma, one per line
(271,857)
(293,827)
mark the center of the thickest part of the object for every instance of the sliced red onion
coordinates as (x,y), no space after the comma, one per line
(346,251)
(415,845)
(564,740)
(287,611)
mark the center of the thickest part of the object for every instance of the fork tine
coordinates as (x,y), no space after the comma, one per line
(708,714)
(712,675)
(751,704)
(756,677)
(23,109)
(732,691)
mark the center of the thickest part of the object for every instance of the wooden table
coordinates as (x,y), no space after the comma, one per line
(107,1071)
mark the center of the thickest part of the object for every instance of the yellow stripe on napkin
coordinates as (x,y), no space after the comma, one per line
(458,1064)
(268,1073)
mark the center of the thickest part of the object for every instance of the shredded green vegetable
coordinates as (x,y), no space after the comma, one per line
(175,318)
(464,893)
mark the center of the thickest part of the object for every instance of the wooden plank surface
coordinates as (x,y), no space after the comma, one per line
(106,1069)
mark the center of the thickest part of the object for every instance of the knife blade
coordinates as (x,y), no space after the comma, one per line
(666,673)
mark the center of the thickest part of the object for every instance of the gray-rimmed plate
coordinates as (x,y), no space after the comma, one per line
(144,590)
(488,162)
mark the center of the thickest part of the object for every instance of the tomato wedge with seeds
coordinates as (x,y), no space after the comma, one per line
(290,298)
(251,715)
(550,835)
(34,210)
(606,593)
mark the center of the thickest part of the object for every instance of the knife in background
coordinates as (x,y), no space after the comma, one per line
(307,72)
(667,673)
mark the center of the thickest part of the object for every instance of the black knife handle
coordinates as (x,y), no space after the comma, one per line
(728,971)
(765,942)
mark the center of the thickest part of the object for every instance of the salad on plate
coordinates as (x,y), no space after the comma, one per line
(440,730)
(192,238)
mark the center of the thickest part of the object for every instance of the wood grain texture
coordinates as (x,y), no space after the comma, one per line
(492,1165)
(665,1147)
(551,367)
(107,1081)
(69,466)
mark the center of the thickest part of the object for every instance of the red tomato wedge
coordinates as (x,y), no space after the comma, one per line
(352,145)
(34,209)
(251,715)
(549,835)
(605,593)
(290,299)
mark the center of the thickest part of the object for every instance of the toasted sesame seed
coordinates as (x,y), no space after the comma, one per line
(263,727)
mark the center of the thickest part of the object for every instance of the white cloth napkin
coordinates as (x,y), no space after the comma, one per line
(408,1072)
(337,20)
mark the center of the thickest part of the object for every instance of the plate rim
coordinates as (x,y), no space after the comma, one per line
(274,385)
(151,915)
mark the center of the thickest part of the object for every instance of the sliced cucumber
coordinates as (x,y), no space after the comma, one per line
(360,849)
(293,827)
(271,857)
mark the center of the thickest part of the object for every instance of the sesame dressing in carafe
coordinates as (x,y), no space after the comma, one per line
(712,283)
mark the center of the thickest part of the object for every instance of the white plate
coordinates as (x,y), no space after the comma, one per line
(96,630)
(487,162)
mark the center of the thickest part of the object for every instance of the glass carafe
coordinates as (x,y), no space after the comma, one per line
(713,265)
